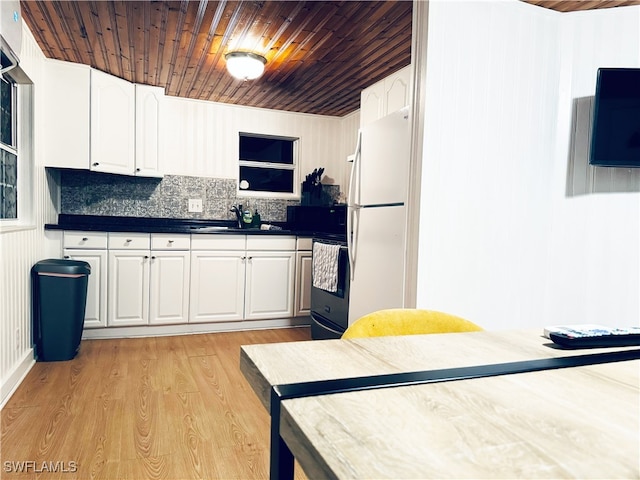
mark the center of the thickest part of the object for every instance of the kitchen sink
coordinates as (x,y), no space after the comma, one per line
(210,228)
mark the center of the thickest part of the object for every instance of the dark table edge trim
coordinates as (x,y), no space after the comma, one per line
(281,458)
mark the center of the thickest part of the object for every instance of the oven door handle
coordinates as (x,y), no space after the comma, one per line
(325,325)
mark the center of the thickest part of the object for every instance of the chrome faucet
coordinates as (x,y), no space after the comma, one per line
(238,211)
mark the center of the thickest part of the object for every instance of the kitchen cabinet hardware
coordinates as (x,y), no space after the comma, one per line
(84,239)
(95,164)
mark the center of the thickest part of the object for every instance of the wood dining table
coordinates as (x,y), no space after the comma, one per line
(508,404)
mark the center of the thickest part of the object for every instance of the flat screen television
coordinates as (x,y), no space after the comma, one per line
(615,136)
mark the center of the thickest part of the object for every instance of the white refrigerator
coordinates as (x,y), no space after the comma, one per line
(377,215)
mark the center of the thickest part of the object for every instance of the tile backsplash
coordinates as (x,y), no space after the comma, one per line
(91,193)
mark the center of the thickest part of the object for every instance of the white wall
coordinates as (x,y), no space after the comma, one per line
(201,138)
(504,240)
(594,259)
(20,249)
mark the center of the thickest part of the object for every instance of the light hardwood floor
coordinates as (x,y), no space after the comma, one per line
(143,408)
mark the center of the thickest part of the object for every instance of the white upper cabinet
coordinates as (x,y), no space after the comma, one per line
(148,104)
(385,96)
(396,90)
(67,99)
(100,122)
(372,103)
(112,124)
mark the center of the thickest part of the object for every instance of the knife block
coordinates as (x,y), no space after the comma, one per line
(313,196)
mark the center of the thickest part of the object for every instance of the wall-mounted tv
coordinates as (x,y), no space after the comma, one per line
(615,137)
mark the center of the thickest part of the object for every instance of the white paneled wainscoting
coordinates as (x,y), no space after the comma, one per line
(19,251)
(22,246)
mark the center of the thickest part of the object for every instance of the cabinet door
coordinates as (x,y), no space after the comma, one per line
(396,90)
(303,284)
(147,130)
(96,308)
(112,124)
(128,287)
(372,103)
(66,105)
(169,287)
(270,284)
(217,286)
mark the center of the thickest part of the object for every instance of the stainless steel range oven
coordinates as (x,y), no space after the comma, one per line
(330,310)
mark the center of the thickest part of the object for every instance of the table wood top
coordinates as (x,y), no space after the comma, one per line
(581,422)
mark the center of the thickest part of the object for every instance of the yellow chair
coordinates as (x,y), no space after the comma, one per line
(407,321)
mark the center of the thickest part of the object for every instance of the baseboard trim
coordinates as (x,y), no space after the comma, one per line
(15,378)
(191,328)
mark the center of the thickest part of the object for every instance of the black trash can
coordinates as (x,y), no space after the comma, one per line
(59,294)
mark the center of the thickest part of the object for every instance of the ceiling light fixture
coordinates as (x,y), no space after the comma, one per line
(245,65)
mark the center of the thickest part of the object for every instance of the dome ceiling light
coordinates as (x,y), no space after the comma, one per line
(245,65)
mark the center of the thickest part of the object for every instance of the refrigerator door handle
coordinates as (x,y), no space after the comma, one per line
(352,207)
(352,237)
(354,169)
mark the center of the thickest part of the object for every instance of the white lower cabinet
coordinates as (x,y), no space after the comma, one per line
(128,287)
(269,284)
(148,279)
(162,279)
(241,278)
(91,247)
(303,277)
(169,287)
(96,306)
(217,286)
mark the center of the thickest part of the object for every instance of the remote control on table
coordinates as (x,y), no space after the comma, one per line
(594,336)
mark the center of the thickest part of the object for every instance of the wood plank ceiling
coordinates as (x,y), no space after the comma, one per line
(320,54)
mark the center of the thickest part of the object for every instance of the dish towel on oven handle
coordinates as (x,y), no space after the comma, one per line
(325,266)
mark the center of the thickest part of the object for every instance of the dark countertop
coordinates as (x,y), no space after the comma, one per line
(96,223)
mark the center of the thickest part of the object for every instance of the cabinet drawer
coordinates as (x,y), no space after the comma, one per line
(258,242)
(85,240)
(170,241)
(132,241)
(304,243)
(218,242)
